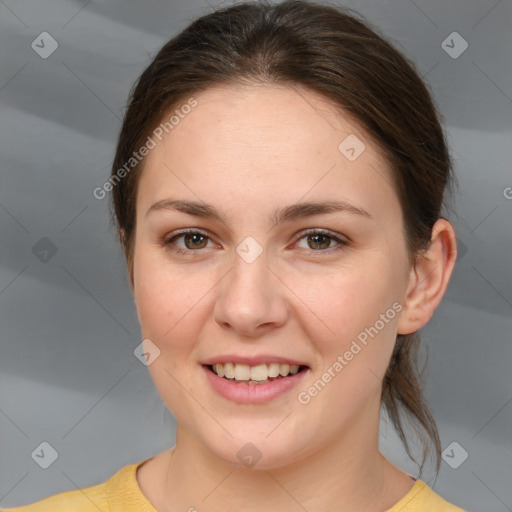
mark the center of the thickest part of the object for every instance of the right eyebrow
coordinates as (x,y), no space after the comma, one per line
(195,208)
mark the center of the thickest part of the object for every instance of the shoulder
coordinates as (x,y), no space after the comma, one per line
(79,500)
(96,498)
(421,498)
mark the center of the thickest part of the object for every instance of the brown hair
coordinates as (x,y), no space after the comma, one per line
(331,51)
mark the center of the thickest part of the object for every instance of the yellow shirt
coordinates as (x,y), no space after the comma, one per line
(121,493)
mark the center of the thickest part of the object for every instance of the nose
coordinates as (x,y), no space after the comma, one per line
(252,299)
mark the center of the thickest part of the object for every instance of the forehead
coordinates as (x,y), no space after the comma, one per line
(247,142)
(281,118)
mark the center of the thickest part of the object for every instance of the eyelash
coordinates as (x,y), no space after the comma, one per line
(168,242)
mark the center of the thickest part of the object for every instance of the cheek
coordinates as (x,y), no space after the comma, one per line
(169,310)
(361,309)
(165,298)
(350,302)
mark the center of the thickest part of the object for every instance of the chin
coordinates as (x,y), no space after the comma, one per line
(256,451)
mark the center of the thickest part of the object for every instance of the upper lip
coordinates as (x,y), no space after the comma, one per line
(252,360)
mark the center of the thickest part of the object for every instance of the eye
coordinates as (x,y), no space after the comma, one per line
(193,240)
(320,240)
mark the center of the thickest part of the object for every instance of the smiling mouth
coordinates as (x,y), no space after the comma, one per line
(258,374)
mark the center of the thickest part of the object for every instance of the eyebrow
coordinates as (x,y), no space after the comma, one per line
(280,215)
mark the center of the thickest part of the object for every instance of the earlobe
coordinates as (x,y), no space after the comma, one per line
(429,278)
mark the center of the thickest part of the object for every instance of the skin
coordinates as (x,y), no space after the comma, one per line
(248,150)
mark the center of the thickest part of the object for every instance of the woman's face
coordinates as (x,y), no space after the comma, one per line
(255,287)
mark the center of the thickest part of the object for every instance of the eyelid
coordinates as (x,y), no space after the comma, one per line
(166,242)
(322,231)
(186,231)
(342,240)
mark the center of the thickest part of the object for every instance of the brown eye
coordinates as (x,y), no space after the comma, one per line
(187,242)
(194,241)
(321,241)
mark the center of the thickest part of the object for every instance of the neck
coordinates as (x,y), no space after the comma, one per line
(347,473)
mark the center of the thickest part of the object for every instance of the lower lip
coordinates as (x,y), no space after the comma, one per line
(253,393)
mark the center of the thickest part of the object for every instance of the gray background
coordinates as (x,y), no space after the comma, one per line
(68,326)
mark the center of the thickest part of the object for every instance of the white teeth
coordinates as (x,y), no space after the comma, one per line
(242,372)
(259,372)
(273,369)
(229,370)
(254,374)
(219,370)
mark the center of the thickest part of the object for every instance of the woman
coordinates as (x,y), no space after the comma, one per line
(277,190)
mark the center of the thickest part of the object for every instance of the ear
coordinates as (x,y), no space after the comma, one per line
(429,278)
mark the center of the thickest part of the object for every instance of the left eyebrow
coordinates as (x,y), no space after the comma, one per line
(308,209)
(280,215)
